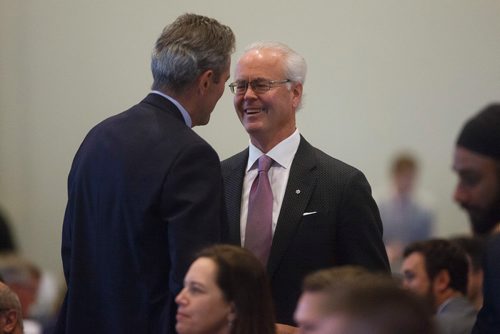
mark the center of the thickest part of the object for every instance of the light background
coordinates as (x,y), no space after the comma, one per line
(383,76)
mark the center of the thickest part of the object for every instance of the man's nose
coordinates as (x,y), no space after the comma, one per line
(460,195)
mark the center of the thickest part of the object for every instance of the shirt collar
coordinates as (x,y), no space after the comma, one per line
(283,153)
(184,113)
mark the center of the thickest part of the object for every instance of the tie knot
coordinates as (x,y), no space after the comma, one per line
(265,163)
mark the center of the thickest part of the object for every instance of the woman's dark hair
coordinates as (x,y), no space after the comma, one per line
(243,281)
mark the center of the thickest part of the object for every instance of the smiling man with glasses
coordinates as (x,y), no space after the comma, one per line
(259,86)
(292,205)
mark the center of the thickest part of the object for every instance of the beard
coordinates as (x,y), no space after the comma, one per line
(483,220)
(430,300)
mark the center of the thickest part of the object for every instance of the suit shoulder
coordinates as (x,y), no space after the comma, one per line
(144,130)
(329,164)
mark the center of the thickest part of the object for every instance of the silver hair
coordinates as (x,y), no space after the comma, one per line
(295,65)
(189,46)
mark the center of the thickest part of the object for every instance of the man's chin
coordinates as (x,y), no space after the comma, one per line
(203,121)
(253,128)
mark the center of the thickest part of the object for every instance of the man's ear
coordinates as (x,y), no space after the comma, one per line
(205,79)
(297,94)
(11,320)
(442,280)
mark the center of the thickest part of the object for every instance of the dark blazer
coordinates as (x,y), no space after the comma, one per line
(144,193)
(488,319)
(328,218)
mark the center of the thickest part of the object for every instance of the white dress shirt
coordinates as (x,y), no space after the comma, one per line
(282,155)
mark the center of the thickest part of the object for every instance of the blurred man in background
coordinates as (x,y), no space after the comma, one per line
(406,213)
(474,248)
(476,161)
(436,270)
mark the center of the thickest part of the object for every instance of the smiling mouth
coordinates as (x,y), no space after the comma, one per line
(254,111)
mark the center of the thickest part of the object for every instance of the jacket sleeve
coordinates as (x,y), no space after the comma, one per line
(192,203)
(359,229)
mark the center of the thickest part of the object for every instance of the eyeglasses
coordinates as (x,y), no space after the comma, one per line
(259,86)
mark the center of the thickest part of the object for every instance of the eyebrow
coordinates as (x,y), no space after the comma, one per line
(255,79)
(193,283)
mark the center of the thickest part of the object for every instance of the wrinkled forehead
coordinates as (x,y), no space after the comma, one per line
(260,63)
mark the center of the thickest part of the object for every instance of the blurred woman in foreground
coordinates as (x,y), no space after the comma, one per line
(226,291)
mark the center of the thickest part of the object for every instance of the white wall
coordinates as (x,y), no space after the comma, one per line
(383,75)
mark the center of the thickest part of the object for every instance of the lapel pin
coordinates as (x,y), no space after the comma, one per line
(297,191)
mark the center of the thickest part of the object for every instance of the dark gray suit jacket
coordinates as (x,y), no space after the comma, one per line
(457,317)
(345,227)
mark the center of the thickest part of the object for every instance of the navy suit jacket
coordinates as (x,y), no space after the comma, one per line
(144,194)
(328,218)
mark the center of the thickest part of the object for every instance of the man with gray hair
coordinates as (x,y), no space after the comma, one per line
(11,318)
(295,207)
(476,161)
(145,191)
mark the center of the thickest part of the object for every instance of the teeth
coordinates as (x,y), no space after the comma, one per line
(253,110)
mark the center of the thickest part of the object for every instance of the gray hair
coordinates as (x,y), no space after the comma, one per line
(187,47)
(295,65)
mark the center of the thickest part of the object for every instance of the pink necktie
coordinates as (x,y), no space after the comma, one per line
(258,233)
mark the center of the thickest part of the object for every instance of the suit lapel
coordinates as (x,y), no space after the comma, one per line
(301,183)
(233,177)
